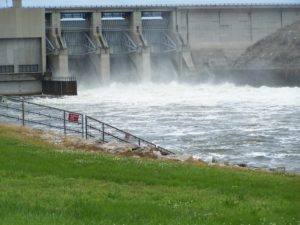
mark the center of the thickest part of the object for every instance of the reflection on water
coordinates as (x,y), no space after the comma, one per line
(257,126)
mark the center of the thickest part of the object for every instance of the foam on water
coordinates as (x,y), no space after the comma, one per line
(159,94)
(258,126)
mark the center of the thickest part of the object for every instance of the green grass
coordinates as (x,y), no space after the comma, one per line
(39,184)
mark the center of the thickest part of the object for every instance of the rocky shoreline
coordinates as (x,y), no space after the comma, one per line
(134,151)
(113,147)
(92,146)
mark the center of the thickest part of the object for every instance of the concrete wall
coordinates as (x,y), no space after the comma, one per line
(22,42)
(23,25)
(20,87)
(21,52)
(219,35)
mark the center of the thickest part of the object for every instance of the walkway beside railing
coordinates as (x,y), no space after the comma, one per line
(15,110)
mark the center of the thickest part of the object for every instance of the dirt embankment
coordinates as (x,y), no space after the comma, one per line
(278,50)
(66,143)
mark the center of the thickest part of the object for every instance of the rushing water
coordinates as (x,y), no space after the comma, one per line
(256,126)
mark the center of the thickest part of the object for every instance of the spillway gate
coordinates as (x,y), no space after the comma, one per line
(110,44)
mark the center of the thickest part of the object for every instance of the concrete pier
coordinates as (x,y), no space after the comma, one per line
(60,80)
(141,58)
(100,59)
(58,62)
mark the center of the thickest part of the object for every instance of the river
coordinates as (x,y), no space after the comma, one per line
(256,126)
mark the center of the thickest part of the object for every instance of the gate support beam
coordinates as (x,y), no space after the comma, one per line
(141,58)
(101,59)
(59,62)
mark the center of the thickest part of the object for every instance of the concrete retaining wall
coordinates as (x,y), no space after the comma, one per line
(21,88)
(219,35)
(20,24)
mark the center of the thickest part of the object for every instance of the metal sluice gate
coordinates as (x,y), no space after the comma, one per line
(116,32)
(155,27)
(75,32)
(13,110)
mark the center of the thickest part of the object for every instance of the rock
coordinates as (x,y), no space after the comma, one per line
(158,154)
(148,151)
(213,160)
(118,147)
(280,49)
(226,163)
(278,169)
(178,157)
(242,165)
(55,139)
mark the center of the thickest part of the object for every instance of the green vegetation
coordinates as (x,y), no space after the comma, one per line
(41,184)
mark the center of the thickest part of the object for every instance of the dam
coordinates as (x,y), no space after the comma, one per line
(49,49)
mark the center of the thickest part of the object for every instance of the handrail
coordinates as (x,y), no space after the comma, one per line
(124,132)
(40,123)
(36,104)
(68,122)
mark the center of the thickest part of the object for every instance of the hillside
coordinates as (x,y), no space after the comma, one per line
(278,50)
(42,183)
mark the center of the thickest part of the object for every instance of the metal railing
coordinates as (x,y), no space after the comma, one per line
(106,133)
(39,116)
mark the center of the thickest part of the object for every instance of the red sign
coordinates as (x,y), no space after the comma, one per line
(73,117)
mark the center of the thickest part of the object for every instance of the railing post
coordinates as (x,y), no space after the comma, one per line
(139,142)
(103,136)
(23,113)
(86,127)
(82,125)
(65,130)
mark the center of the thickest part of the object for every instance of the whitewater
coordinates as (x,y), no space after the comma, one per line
(238,124)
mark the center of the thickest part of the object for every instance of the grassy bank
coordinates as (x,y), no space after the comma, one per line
(41,184)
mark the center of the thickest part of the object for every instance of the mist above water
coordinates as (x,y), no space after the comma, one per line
(257,126)
(123,69)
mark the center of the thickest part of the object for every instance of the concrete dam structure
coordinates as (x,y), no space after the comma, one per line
(47,50)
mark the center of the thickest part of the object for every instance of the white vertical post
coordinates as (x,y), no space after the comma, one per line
(23,113)
(65,130)
(17,3)
(103,135)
